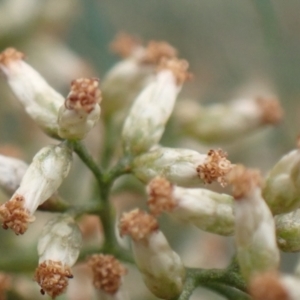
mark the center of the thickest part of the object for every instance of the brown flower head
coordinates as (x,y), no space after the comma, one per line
(107,272)
(84,94)
(160,196)
(271,110)
(5,284)
(15,216)
(138,224)
(52,276)
(267,286)
(9,55)
(124,44)
(215,168)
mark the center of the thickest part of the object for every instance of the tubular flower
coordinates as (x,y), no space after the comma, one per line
(274,286)
(58,249)
(150,112)
(255,238)
(226,122)
(183,167)
(282,188)
(81,110)
(40,100)
(207,210)
(107,271)
(44,175)
(127,78)
(161,268)
(12,171)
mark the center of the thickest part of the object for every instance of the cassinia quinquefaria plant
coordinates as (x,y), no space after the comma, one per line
(137,98)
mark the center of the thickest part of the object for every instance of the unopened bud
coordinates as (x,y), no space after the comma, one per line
(44,175)
(226,122)
(183,167)
(288,231)
(107,272)
(257,249)
(40,100)
(12,171)
(81,110)
(282,187)
(207,210)
(162,269)
(58,249)
(145,124)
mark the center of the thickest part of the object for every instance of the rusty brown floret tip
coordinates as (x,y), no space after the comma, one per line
(267,286)
(10,54)
(107,272)
(138,224)
(124,44)
(272,112)
(5,284)
(243,181)
(215,168)
(52,276)
(84,94)
(179,68)
(15,216)
(156,50)
(160,196)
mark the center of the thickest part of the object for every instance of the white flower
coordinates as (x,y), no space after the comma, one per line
(40,100)
(207,210)
(44,175)
(58,249)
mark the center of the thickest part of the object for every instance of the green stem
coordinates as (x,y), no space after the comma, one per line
(229,292)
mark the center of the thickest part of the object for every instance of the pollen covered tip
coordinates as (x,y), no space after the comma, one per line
(243,181)
(9,55)
(267,286)
(15,216)
(178,67)
(84,94)
(124,44)
(271,110)
(52,276)
(138,224)
(160,196)
(215,167)
(107,272)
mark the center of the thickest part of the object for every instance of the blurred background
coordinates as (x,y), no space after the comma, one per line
(235,48)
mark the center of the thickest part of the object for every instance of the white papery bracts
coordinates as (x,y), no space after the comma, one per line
(40,100)
(226,122)
(274,286)
(44,175)
(127,78)
(161,268)
(58,249)
(255,238)
(183,167)
(207,210)
(145,124)
(282,188)
(81,110)
(12,171)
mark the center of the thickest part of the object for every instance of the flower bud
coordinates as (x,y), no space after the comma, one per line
(183,167)
(58,249)
(145,124)
(273,286)
(207,210)
(81,110)
(44,175)
(127,78)
(161,268)
(12,171)
(282,187)
(288,231)
(226,122)
(255,238)
(40,100)
(107,272)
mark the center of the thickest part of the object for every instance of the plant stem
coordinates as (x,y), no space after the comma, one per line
(229,292)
